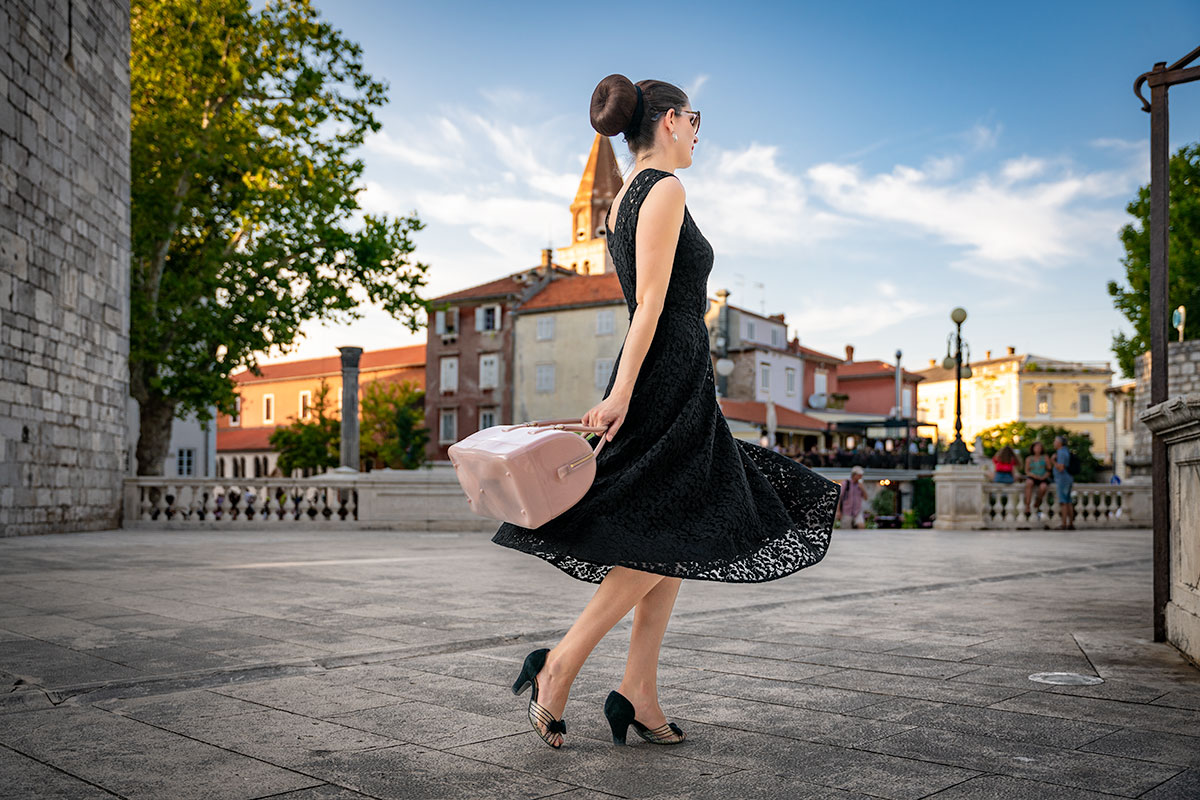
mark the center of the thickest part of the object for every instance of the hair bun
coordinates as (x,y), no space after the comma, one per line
(613,104)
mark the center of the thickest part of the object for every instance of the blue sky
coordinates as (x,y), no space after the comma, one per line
(862,167)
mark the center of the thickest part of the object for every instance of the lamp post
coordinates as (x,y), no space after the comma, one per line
(958,448)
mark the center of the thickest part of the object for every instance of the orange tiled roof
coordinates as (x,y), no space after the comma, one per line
(511,285)
(873,369)
(756,412)
(815,354)
(244,438)
(579,290)
(390,358)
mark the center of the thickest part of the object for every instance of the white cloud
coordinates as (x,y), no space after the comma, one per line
(694,89)
(433,153)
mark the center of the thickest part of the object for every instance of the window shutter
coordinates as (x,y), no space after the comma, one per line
(499,309)
(440,322)
(478,318)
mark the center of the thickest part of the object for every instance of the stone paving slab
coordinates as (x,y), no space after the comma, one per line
(313,666)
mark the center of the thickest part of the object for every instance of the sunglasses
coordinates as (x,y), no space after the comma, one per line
(693,118)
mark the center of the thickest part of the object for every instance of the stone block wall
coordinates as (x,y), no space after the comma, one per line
(1183,377)
(64,263)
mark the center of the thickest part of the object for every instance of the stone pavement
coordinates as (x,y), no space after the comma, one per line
(312,666)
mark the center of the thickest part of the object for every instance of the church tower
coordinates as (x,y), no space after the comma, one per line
(588,252)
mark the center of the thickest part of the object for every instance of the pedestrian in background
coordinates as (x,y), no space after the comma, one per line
(1063,483)
(1005,465)
(1037,477)
(852,503)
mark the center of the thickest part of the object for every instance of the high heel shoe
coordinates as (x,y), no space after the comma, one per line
(537,712)
(619,712)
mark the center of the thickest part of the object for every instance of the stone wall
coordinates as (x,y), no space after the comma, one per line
(1183,377)
(64,263)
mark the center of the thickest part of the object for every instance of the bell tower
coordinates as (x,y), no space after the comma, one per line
(588,251)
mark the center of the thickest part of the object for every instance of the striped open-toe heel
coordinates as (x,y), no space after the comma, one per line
(537,712)
(619,712)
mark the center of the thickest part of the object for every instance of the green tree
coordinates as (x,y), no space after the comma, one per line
(315,443)
(1183,252)
(244,219)
(1020,437)
(392,432)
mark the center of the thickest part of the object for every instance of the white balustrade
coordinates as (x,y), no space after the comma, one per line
(1097,505)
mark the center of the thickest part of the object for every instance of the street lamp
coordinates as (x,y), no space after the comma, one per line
(958,448)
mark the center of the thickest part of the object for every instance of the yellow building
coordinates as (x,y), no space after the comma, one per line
(1021,388)
(588,252)
(285,391)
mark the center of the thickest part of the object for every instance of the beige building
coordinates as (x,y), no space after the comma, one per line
(1025,388)
(565,342)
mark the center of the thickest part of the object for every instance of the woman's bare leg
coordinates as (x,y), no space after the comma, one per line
(1028,494)
(640,684)
(620,591)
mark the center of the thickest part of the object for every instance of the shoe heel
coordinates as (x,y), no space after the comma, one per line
(619,713)
(533,664)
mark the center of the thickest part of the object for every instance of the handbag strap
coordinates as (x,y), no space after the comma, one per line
(571,424)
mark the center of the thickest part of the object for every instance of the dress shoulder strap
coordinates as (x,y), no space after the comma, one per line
(631,202)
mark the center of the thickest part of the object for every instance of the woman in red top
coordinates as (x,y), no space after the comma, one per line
(1005,463)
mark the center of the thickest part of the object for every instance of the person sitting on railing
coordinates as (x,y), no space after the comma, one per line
(1037,477)
(1006,464)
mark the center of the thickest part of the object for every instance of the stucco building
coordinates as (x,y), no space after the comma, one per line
(588,252)
(1021,387)
(285,391)
(566,340)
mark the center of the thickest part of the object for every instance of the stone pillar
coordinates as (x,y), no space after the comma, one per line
(1177,421)
(959,494)
(349,452)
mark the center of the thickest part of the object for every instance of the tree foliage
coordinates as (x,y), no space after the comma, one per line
(313,444)
(1183,253)
(392,433)
(245,220)
(1020,436)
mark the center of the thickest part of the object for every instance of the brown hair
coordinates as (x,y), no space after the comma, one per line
(614,102)
(1033,452)
(1006,455)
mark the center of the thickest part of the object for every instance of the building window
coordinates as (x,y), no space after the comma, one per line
(1128,415)
(604,321)
(1043,402)
(764,375)
(906,402)
(993,407)
(941,409)
(489,371)
(1085,403)
(185,463)
(603,372)
(448,429)
(791,380)
(750,330)
(487,418)
(446,322)
(545,328)
(268,409)
(545,377)
(305,404)
(775,337)
(449,377)
(820,381)
(236,419)
(487,318)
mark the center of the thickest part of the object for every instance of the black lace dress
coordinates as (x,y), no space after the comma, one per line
(675,493)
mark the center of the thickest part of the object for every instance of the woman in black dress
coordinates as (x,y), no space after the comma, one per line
(675,495)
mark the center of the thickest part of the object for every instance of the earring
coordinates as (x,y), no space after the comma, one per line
(674,137)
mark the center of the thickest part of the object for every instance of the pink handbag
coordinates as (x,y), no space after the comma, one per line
(529,473)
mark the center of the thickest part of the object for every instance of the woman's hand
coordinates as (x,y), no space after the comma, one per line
(610,411)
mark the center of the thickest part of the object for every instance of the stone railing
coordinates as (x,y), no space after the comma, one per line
(968,500)
(421,500)
(1097,505)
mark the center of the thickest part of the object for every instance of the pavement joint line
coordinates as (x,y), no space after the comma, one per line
(57,768)
(168,684)
(914,589)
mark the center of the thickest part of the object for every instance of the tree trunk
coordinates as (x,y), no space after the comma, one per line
(154,436)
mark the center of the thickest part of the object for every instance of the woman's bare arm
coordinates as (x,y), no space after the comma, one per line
(659,221)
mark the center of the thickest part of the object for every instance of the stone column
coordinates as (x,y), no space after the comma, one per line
(959,493)
(349,451)
(1177,421)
